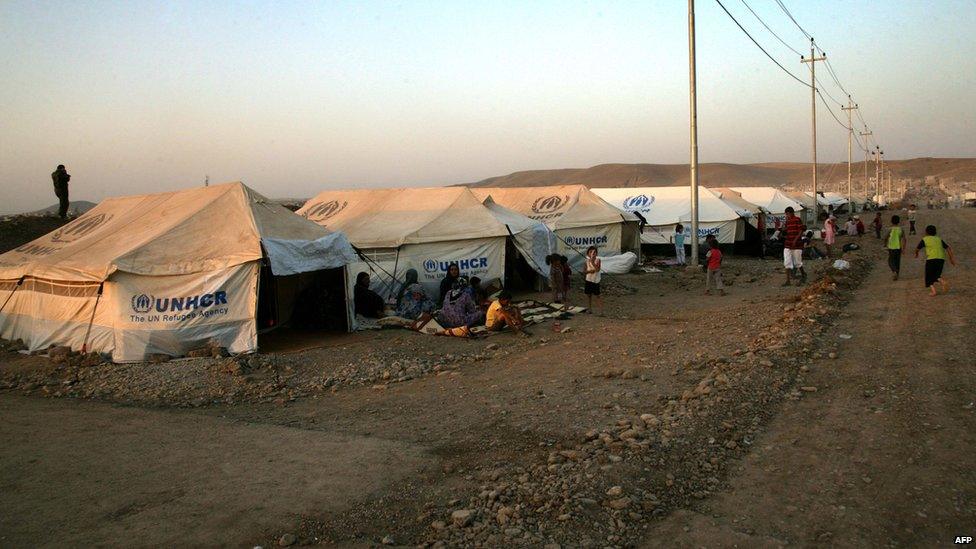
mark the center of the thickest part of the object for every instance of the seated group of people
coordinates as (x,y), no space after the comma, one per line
(461,303)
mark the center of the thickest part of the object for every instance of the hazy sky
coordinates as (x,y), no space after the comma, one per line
(292,97)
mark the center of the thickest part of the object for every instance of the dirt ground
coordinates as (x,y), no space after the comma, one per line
(677,420)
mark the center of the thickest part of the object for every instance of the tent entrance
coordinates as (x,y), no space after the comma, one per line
(308,301)
(519,274)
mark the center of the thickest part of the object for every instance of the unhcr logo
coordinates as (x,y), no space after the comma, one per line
(325,210)
(549,204)
(430,266)
(639,202)
(80,227)
(142,303)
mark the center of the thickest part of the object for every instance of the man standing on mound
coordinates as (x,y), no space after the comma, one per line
(61,177)
(793,248)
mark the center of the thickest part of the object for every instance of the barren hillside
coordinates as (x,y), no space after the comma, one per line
(777,174)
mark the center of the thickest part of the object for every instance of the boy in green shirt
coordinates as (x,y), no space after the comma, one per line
(895,244)
(936,251)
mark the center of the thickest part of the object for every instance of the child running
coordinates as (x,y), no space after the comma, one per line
(713,273)
(895,244)
(936,251)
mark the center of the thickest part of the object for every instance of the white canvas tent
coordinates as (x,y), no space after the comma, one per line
(773,201)
(425,229)
(665,207)
(532,238)
(578,217)
(160,273)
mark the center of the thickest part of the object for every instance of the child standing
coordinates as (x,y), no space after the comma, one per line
(679,243)
(713,273)
(936,251)
(592,285)
(911,219)
(567,277)
(556,281)
(877,225)
(895,244)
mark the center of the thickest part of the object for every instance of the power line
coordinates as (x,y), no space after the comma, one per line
(769,29)
(719,2)
(824,101)
(790,15)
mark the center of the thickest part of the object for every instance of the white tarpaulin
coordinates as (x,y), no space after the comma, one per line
(578,217)
(173,314)
(176,244)
(533,239)
(665,207)
(573,243)
(772,200)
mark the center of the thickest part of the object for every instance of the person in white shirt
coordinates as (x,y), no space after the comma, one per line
(592,285)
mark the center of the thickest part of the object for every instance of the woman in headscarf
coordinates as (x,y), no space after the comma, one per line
(447,283)
(414,302)
(410,278)
(367,302)
(459,307)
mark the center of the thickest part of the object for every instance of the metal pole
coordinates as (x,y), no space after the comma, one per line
(813,110)
(877,170)
(693,99)
(850,136)
(881,185)
(864,134)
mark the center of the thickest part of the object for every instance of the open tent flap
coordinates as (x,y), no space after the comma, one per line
(533,239)
(288,257)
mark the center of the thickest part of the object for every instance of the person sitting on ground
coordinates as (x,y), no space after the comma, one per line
(860,226)
(414,302)
(409,279)
(810,251)
(502,313)
(459,307)
(556,277)
(478,292)
(367,302)
(453,272)
(850,228)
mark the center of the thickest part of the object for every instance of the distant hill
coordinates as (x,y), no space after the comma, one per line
(774,174)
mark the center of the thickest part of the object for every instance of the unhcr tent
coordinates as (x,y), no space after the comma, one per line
(425,229)
(578,217)
(665,207)
(165,273)
(532,238)
(773,201)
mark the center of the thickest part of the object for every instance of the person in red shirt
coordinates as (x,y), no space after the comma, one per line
(793,248)
(713,272)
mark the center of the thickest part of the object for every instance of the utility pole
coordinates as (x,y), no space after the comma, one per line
(881,186)
(206,181)
(866,133)
(693,100)
(813,109)
(850,135)
(877,170)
